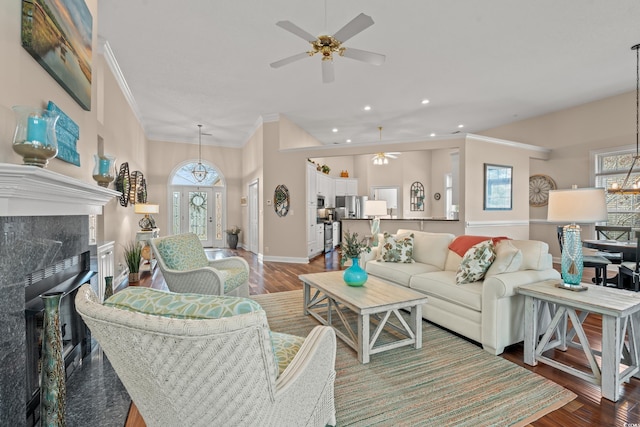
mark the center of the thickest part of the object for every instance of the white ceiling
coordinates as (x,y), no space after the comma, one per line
(480,63)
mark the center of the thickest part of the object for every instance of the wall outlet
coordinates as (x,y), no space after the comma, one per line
(269,202)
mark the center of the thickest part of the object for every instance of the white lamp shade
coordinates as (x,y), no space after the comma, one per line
(143,208)
(580,205)
(375,207)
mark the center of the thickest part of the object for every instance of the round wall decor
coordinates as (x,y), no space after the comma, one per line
(281,200)
(539,187)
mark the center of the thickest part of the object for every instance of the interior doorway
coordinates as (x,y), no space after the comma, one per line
(254,215)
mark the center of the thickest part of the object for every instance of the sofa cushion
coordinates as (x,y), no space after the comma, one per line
(285,348)
(535,254)
(475,262)
(397,248)
(430,248)
(399,273)
(442,285)
(508,259)
(453,261)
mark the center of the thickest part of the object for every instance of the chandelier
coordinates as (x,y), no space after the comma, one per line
(199,172)
(635,187)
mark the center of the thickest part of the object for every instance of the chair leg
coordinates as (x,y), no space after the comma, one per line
(599,276)
(620,280)
(636,283)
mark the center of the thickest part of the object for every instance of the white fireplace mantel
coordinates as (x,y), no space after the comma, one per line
(33,191)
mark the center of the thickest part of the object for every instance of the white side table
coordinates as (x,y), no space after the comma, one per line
(148,259)
(620,311)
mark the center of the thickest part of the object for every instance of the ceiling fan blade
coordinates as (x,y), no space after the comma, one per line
(289,60)
(353,27)
(365,56)
(327,72)
(391,156)
(293,28)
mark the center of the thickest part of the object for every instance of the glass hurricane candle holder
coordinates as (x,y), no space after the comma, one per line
(104,171)
(35,136)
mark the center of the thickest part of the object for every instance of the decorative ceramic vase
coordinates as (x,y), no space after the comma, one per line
(108,287)
(52,374)
(35,136)
(134,277)
(232,239)
(104,170)
(355,275)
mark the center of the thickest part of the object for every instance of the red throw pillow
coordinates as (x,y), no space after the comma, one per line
(462,244)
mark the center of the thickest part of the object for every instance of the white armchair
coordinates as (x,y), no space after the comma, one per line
(186,268)
(203,360)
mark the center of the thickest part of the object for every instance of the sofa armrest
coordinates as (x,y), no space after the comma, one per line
(205,280)
(506,284)
(229,262)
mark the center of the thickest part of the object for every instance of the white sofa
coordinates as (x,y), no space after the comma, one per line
(488,311)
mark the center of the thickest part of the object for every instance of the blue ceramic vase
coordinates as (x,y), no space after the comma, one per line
(355,275)
(52,375)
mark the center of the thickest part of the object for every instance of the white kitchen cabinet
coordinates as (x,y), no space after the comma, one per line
(346,186)
(312,208)
(312,184)
(319,238)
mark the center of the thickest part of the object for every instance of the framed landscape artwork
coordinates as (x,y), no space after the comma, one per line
(58,35)
(498,187)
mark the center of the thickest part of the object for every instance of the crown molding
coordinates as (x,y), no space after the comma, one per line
(111,61)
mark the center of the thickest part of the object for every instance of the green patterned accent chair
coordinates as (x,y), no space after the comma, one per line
(203,360)
(186,268)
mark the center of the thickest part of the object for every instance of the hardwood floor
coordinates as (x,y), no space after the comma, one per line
(588,409)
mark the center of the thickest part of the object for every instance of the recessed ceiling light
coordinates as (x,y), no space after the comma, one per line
(433,134)
(367,107)
(348,141)
(460,126)
(334,130)
(425,101)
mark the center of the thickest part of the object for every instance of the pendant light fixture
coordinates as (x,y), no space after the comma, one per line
(199,172)
(635,187)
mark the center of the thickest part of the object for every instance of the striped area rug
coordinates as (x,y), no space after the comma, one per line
(448,382)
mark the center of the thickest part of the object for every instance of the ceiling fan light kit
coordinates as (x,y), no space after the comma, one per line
(327,45)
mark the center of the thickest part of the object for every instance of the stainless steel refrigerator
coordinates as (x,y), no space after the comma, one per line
(354,205)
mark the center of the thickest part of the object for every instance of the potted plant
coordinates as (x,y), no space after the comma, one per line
(232,236)
(351,248)
(133,257)
(326,169)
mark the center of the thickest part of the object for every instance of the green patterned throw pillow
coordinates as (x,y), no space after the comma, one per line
(475,262)
(397,248)
(180,306)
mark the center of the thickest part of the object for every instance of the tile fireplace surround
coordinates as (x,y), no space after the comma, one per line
(35,205)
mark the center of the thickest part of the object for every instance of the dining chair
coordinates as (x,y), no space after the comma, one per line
(612,232)
(629,271)
(596,262)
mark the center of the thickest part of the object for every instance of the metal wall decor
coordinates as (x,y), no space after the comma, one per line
(281,200)
(138,188)
(123,184)
(417,196)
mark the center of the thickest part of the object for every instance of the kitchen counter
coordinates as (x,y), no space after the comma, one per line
(362,226)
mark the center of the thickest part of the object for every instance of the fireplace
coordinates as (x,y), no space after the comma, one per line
(65,276)
(44,224)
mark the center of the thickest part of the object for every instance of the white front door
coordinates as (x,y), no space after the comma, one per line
(199,212)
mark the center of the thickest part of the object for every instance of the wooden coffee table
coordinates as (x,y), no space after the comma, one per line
(376,301)
(620,311)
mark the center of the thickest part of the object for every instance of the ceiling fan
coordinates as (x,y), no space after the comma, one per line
(383,158)
(328,45)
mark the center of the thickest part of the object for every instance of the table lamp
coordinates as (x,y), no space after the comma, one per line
(376,209)
(577,205)
(147,223)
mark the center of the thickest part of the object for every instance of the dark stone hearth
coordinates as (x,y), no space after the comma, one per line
(27,244)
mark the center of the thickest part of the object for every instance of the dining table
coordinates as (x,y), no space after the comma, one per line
(626,247)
